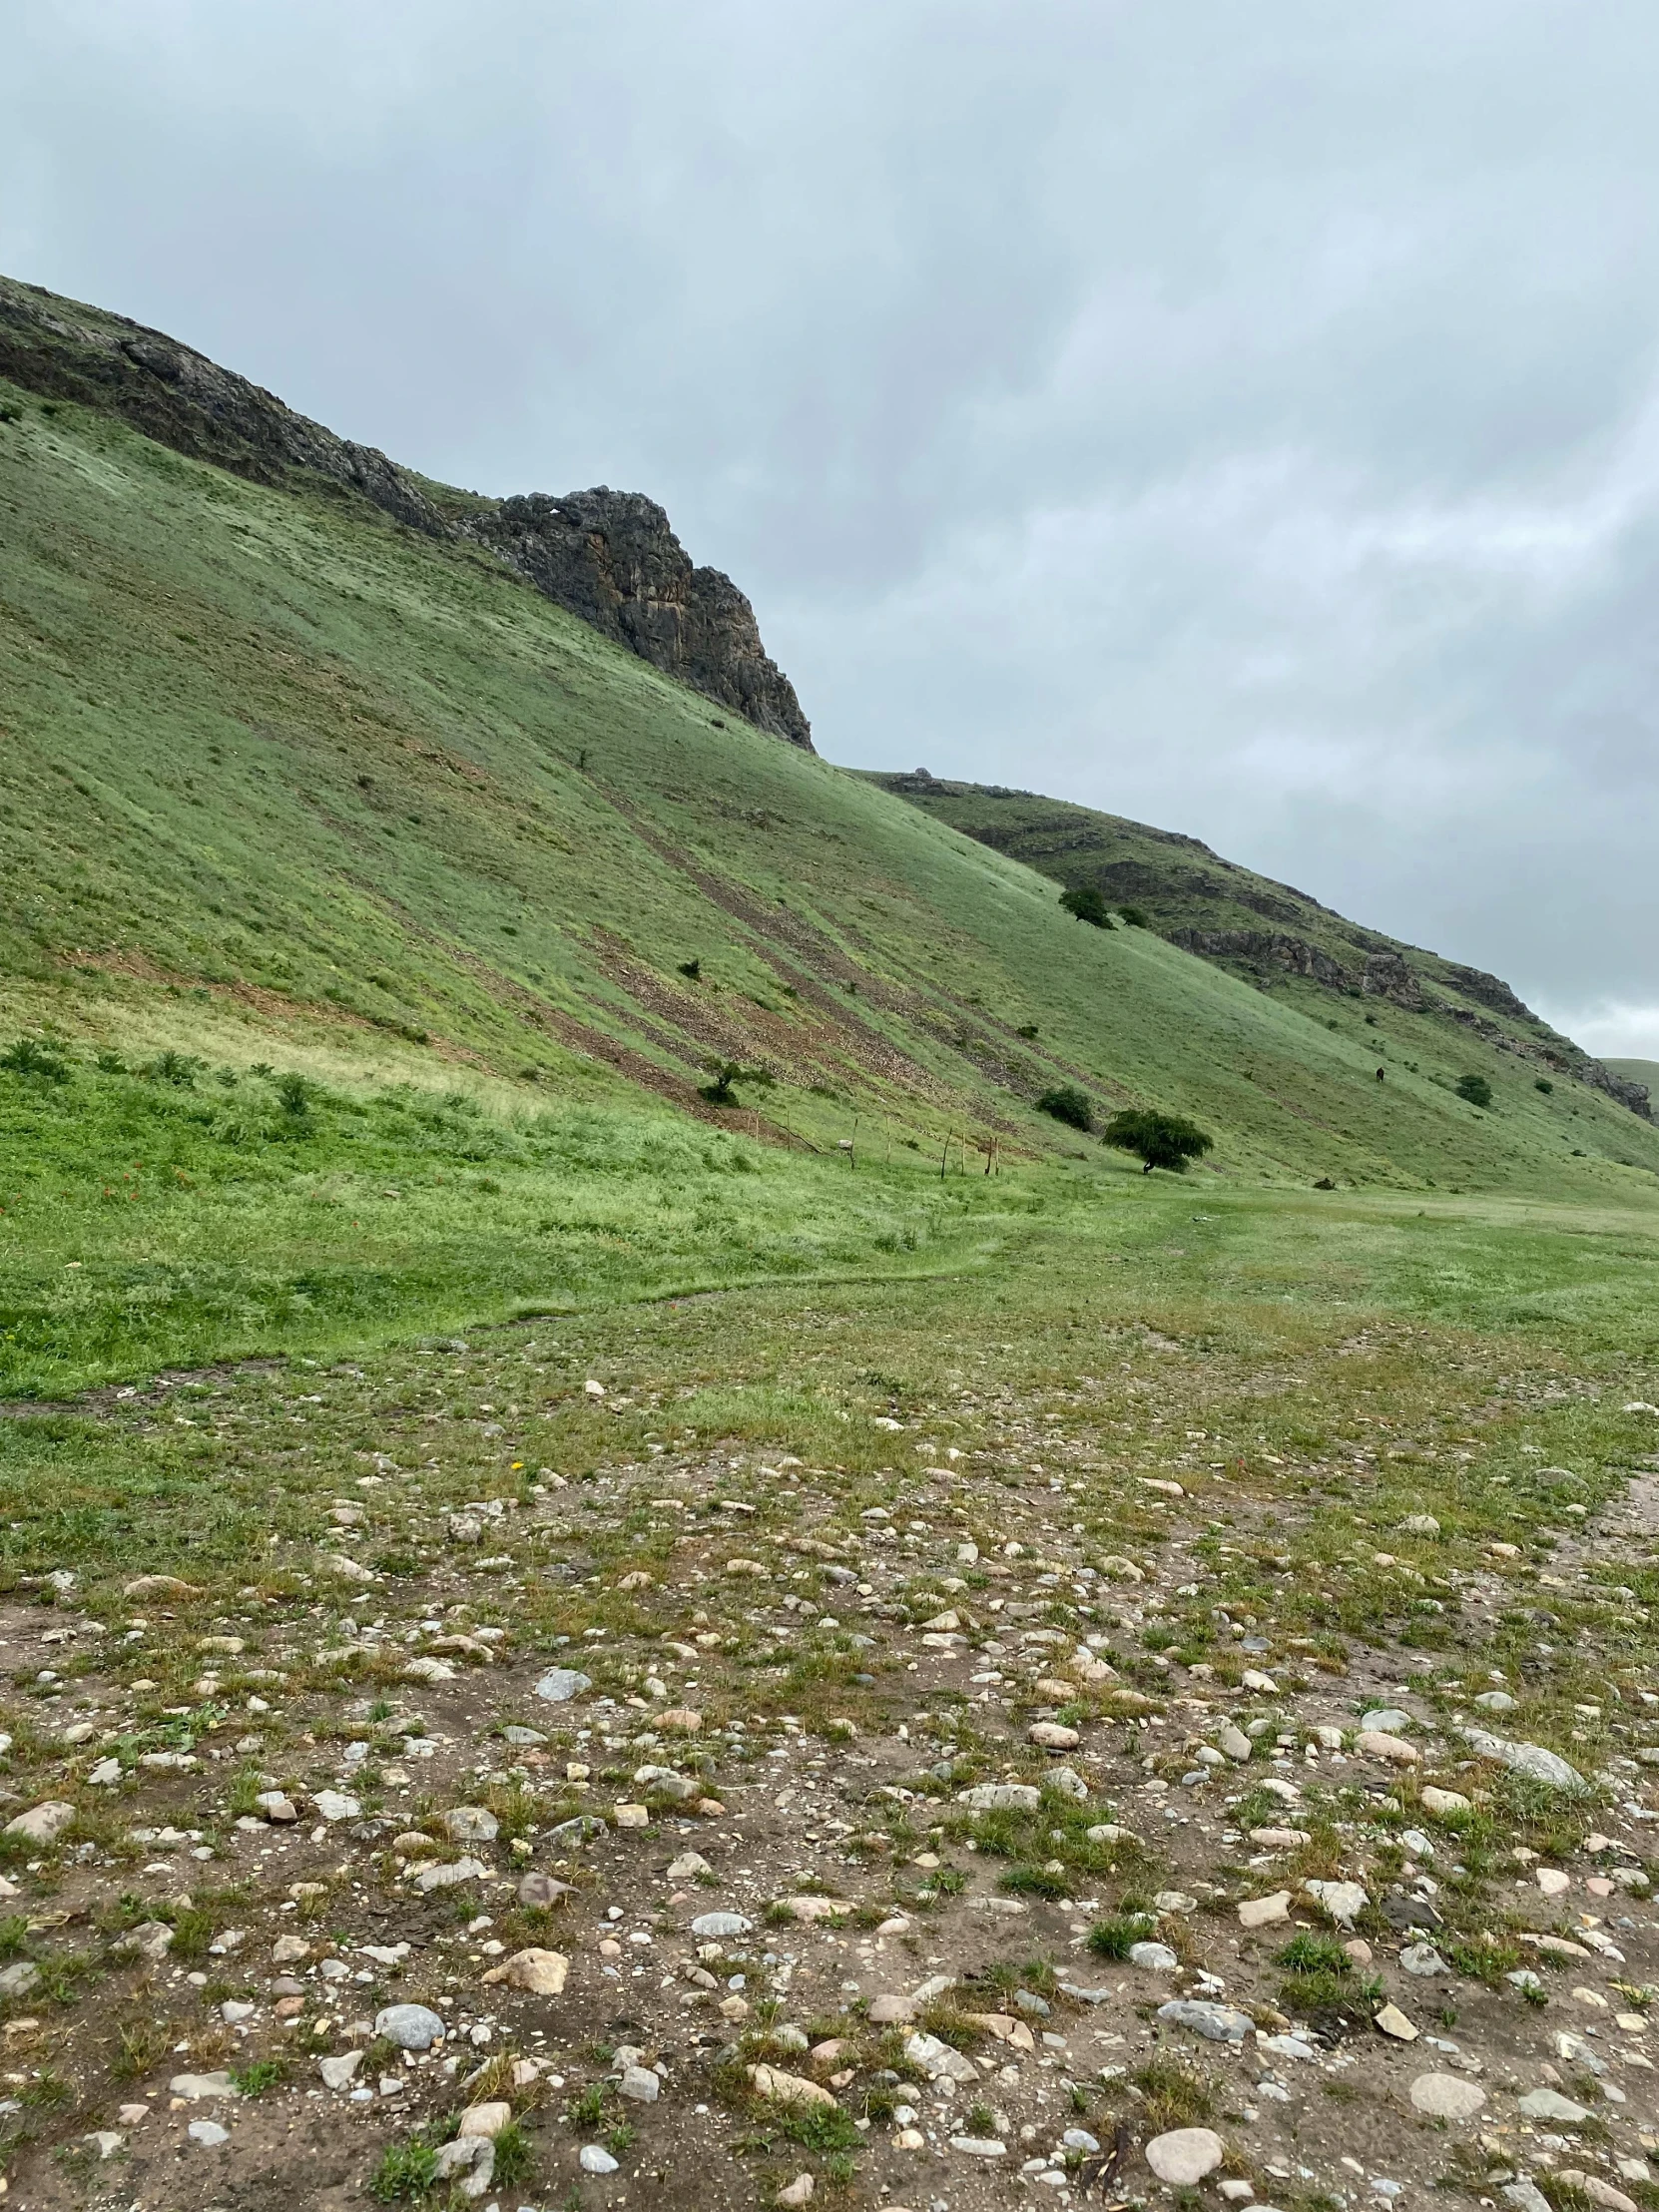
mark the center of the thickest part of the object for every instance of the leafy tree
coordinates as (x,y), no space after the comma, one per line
(1476,1089)
(727,1074)
(1157,1140)
(1083,900)
(1068,1104)
(1136,917)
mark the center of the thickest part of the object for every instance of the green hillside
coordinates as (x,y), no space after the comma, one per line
(1645,1072)
(1274,938)
(291,786)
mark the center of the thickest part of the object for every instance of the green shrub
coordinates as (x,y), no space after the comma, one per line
(1083,900)
(1068,1104)
(177,1068)
(26,1057)
(406,2170)
(293,1094)
(1136,917)
(1543,1083)
(1157,1140)
(1476,1089)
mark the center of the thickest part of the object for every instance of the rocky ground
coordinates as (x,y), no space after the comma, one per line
(1093,1786)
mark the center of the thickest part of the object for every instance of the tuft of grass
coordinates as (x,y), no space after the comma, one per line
(406,2171)
(1173,2093)
(1112,1937)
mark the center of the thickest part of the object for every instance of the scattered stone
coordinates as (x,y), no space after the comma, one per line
(890,2011)
(470,1824)
(716,1926)
(541,1973)
(1444,2096)
(1218,2023)
(1419,1524)
(486,2119)
(42,1824)
(1376,1742)
(1185,2155)
(1549,2104)
(786,2088)
(938,2060)
(340,2071)
(1343,1901)
(560,1684)
(1263,1911)
(543,1891)
(195,2087)
(1393,2021)
(1001,1797)
(1598,2191)
(208,2133)
(1532,1760)
(1153,1957)
(410,2026)
(1053,1736)
(446,1876)
(640,2085)
(1440,1801)
(1423,1960)
(799,2191)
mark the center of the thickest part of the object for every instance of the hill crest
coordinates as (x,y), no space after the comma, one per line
(609,557)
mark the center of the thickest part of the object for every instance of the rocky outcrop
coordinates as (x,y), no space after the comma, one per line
(1266,949)
(1490,991)
(182,399)
(609,557)
(612,558)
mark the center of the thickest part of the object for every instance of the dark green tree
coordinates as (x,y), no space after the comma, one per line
(1476,1089)
(1083,900)
(1157,1140)
(1068,1104)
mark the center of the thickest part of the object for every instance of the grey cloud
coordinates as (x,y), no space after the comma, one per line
(1246,419)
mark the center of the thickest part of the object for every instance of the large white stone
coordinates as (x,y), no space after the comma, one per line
(1185,2155)
(1444,2096)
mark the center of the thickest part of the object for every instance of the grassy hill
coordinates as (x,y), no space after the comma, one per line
(373,927)
(1645,1072)
(1274,938)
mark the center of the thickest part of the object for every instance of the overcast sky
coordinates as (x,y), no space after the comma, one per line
(1242,418)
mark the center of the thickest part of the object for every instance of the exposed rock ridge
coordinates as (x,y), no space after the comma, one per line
(1389,975)
(612,558)
(608,557)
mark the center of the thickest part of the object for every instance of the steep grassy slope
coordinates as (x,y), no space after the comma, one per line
(288,782)
(1645,1072)
(1274,937)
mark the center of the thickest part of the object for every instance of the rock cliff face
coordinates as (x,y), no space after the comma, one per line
(609,557)
(612,558)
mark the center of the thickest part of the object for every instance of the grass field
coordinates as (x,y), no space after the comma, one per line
(683,1500)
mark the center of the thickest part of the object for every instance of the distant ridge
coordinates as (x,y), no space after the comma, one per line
(610,557)
(1262,931)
